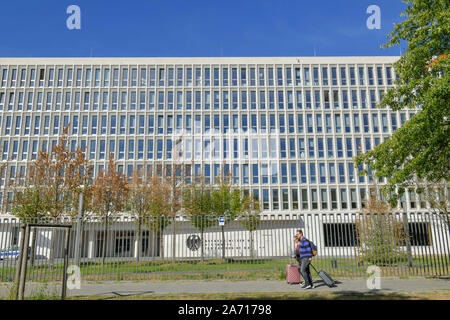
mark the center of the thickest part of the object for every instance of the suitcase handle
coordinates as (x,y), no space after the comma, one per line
(313,268)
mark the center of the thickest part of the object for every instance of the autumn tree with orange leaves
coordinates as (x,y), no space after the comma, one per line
(109,193)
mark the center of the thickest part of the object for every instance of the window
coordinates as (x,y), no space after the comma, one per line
(344,198)
(301,147)
(279,76)
(170,76)
(375,122)
(361,76)
(285,198)
(320,148)
(304,199)
(332,173)
(324,198)
(334,204)
(420,233)
(297,77)
(380,75)
(275,201)
(299,99)
(311,148)
(352,76)
(4,77)
(340,234)
(307,77)
(353,198)
(322,173)
(243,76)
(270,76)
(150,149)
(337,123)
(294,198)
(341,173)
(314,200)
(389,75)
(370,74)
(316,76)
(265,199)
(330,147)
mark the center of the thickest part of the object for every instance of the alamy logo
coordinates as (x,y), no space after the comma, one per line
(374,280)
(374,20)
(74,20)
(74,279)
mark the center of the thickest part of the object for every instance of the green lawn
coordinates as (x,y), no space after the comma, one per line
(222,269)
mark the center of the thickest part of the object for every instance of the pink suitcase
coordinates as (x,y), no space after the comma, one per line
(292,274)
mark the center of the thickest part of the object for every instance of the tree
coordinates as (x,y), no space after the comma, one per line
(197,203)
(433,194)
(229,201)
(250,217)
(152,200)
(79,174)
(421,148)
(57,175)
(27,200)
(380,235)
(50,185)
(109,193)
(138,202)
(163,206)
(226,199)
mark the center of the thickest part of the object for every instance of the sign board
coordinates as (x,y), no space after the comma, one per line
(221,221)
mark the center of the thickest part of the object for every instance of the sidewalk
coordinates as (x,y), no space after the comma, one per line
(123,288)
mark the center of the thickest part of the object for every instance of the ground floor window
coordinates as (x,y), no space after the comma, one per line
(340,235)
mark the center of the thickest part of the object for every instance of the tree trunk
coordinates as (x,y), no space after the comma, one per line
(161,244)
(105,241)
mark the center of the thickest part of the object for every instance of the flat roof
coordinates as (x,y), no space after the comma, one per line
(200,60)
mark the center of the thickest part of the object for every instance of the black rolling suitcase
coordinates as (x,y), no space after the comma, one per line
(325,277)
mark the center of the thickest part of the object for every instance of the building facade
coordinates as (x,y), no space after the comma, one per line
(286,129)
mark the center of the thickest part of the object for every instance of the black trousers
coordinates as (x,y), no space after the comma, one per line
(303,268)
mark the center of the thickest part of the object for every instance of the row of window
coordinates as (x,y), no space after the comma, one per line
(27,124)
(203,149)
(191,100)
(198,76)
(253,173)
(308,198)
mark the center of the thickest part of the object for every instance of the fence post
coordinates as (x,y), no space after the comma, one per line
(66,261)
(408,242)
(19,263)
(174,237)
(24,260)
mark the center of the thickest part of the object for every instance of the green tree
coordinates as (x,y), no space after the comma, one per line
(197,203)
(250,217)
(421,147)
(226,199)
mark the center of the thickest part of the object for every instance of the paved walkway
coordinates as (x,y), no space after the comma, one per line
(125,288)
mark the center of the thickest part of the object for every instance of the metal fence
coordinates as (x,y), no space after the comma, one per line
(160,248)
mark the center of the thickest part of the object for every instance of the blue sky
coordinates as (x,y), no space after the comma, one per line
(175,28)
